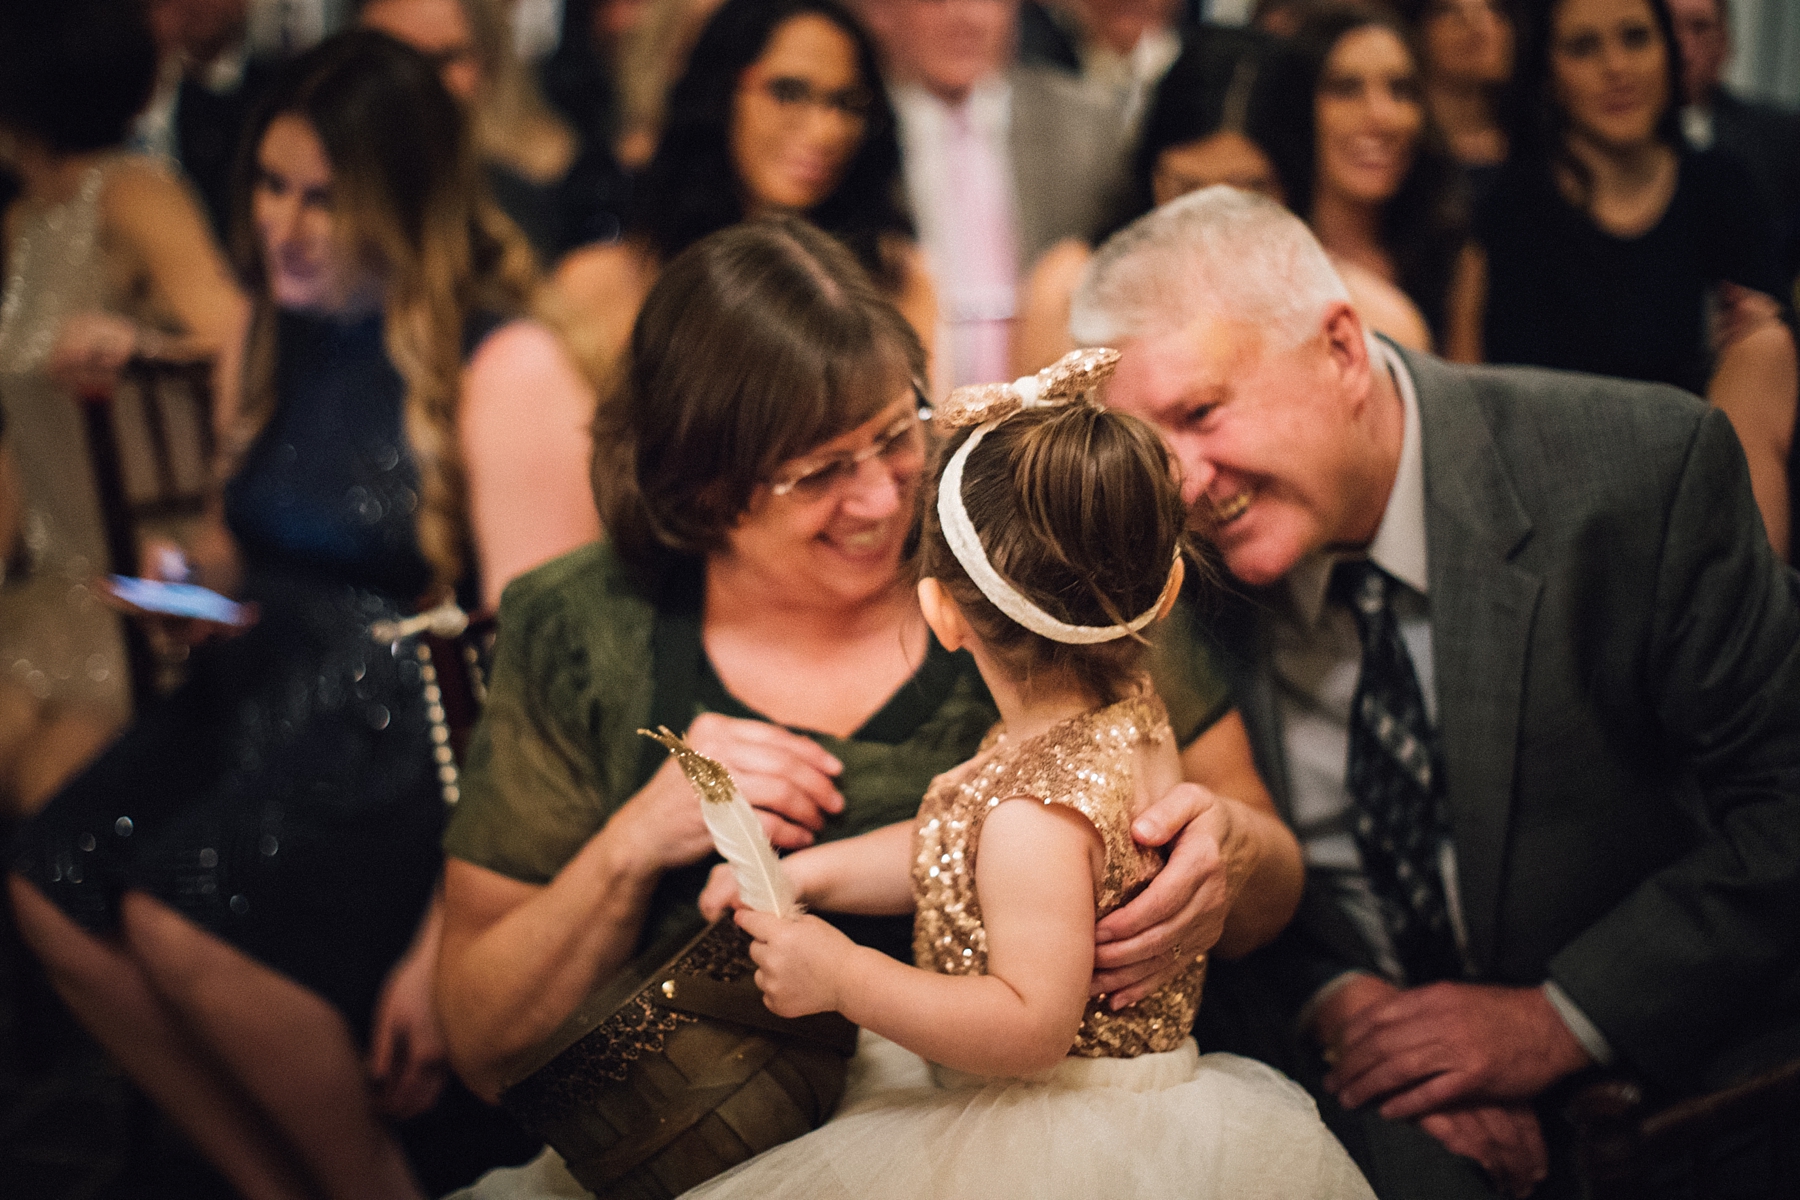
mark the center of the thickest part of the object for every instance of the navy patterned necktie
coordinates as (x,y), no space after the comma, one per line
(1395,777)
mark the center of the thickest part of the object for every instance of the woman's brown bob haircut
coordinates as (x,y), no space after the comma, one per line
(757,344)
(1078,508)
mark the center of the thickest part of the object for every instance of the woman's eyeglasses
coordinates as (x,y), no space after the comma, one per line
(793,96)
(901,445)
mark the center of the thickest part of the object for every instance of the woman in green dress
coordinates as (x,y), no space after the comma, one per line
(758,474)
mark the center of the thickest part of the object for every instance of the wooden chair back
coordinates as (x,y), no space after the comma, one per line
(151,444)
(1716,1144)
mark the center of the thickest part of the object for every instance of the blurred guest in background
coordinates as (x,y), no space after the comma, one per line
(1209,122)
(1001,164)
(527,148)
(652,55)
(1279,18)
(582,79)
(1120,48)
(107,256)
(1766,138)
(1611,245)
(1363,165)
(235,899)
(780,110)
(208,86)
(1468,52)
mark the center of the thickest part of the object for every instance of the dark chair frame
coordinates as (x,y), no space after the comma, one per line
(1628,1150)
(120,514)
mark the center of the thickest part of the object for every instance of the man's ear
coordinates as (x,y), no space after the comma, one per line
(946,620)
(1347,346)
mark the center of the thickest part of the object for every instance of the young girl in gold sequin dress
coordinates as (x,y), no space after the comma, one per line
(1054,539)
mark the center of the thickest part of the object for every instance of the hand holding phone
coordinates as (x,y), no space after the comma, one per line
(183,601)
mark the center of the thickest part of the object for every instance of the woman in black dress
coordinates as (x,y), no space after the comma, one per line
(1611,247)
(223,897)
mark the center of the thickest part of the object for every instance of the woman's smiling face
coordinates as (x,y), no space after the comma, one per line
(1368,116)
(799,116)
(841,531)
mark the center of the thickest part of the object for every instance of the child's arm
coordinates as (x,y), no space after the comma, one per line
(870,874)
(1035,880)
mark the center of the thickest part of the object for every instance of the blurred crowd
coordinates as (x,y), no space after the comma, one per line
(415,250)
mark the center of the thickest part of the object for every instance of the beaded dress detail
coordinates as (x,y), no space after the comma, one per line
(1083,763)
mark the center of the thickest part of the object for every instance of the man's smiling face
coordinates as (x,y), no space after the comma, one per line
(1267,439)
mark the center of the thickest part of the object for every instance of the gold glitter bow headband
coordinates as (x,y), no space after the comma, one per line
(1067,381)
(1070,378)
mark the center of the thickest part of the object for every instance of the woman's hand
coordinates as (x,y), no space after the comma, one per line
(90,350)
(797,962)
(720,892)
(408,1058)
(163,561)
(786,777)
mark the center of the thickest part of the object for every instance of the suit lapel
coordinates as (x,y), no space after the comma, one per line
(1482,608)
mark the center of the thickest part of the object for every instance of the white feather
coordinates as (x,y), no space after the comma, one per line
(736,830)
(739,836)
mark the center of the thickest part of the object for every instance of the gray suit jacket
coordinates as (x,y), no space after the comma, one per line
(1618,673)
(1068,158)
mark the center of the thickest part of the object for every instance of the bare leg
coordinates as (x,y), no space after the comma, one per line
(284,1044)
(110,995)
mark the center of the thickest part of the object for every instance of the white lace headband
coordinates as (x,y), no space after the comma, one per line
(1068,380)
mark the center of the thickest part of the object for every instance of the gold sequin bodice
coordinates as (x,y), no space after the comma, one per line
(1086,764)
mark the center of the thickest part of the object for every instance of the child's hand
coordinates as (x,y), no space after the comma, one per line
(720,893)
(798,962)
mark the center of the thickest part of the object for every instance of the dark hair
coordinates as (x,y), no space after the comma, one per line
(1078,508)
(691,186)
(1425,226)
(1537,126)
(409,204)
(1220,83)
(73,73)
(755,345)
(1415,12)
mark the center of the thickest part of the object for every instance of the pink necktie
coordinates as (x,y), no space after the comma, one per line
(982,266)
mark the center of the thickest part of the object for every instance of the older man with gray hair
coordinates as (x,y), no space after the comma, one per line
(1522,674)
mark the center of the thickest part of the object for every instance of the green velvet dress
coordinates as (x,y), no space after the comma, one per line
(587,656)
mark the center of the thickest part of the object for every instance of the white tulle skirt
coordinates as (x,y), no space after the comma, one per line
(1162,1125)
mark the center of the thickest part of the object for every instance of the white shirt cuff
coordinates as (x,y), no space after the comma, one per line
(1332,987)
(1583,1030)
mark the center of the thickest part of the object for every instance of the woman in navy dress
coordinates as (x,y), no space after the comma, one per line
(236,898)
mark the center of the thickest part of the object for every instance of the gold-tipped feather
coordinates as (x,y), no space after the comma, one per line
(736,830)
